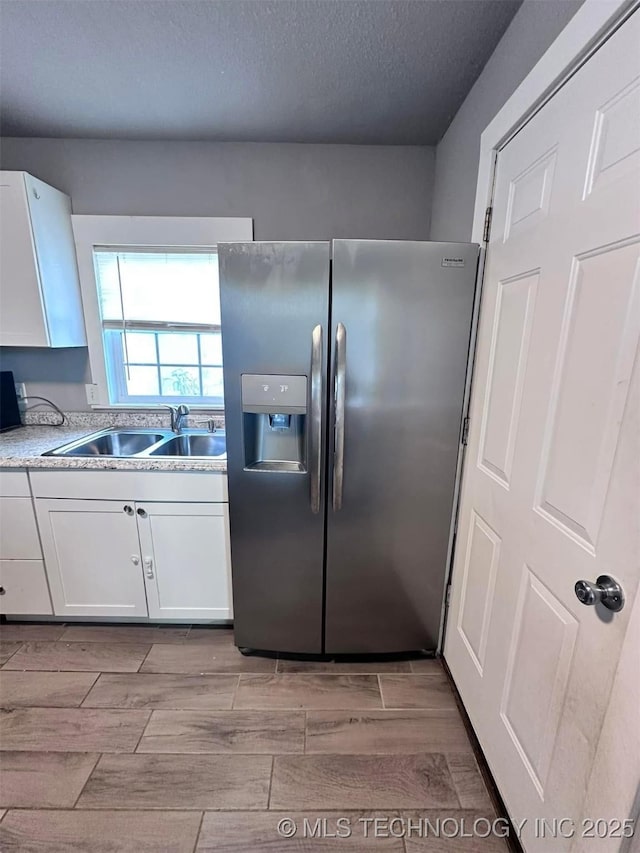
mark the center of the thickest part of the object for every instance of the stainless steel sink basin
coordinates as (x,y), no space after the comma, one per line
(190,444)
(139,443)
(112,443)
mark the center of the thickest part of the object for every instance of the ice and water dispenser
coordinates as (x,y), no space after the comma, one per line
(274,412)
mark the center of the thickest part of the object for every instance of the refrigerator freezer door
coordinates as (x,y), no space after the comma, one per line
(401,318)
(275,303)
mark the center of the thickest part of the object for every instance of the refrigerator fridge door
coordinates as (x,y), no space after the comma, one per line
(274,306)
(401,318)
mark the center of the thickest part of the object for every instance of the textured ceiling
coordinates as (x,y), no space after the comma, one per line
(358,71)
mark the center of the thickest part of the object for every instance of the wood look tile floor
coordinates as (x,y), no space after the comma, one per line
(148,738)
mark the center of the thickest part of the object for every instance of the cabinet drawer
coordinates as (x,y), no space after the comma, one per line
(14,483)
(19,540)
(188,486)
(25,588)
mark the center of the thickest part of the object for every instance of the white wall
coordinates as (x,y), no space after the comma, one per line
(534,27)
(292,192)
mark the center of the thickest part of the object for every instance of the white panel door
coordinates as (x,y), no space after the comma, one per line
(92,557)
(552,481)
(185,557)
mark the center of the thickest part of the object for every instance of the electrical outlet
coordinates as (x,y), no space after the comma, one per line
(92,394)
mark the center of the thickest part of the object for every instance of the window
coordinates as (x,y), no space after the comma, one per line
(150,293)
(160,315)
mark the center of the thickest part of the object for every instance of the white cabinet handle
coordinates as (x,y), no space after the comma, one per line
(148,567)
(135,559)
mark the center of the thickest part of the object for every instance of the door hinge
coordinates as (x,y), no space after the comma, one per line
(448,596)
(465,431)
(487,224)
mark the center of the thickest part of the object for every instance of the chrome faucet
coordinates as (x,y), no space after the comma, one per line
(178,414)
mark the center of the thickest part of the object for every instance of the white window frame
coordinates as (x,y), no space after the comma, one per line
(187,232)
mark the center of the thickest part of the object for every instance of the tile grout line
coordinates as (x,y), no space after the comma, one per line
(381,693)
(19,649)
(270,784)
(86,781)
(134,751)
(304,733)
(234,693)
(197,841)
(275,709)
(404,836)
(91,686)
(453,781)
(142,662)
(126,808)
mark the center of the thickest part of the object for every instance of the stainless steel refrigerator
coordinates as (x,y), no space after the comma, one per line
(344,377)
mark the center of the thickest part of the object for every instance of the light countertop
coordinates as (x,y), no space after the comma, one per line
(23,448)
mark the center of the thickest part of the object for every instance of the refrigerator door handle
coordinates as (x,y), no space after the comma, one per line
(340,390)
(316,417)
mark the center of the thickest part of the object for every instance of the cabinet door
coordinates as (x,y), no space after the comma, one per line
(19,540)
(39,285)
(23,588)
(50,215)
(185,555)
(92,556)
(22,319)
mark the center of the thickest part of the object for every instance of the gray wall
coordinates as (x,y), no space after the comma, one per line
(533,29)
(292,192)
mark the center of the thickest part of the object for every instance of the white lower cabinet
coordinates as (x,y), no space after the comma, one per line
(92,556)
(23,588)
(23,583)
(185,559)
(122,558)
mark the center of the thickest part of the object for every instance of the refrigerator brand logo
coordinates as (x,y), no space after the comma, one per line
(453,262)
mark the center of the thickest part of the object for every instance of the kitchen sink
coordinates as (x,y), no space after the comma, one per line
(139,443)
(190,444)
(111,443)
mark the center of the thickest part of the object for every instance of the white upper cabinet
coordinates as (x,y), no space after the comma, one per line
(40,302)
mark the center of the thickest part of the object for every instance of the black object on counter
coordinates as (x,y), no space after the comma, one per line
(9,411)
